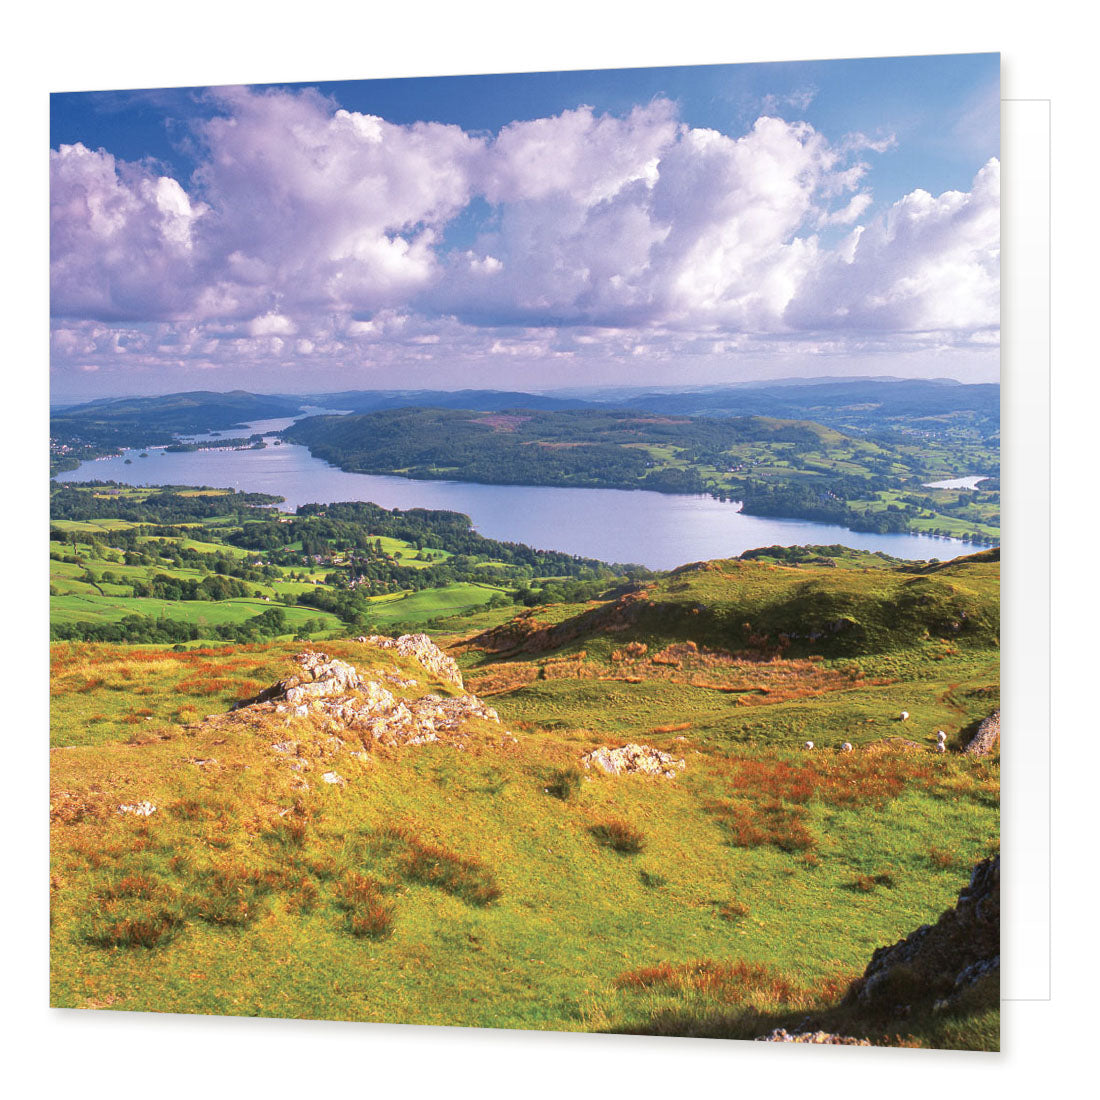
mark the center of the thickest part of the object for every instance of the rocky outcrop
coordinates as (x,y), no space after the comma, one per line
(421,648)
(633,760)
(987,737)
(781,1035)
(419,721)
(939,962)
(337,693)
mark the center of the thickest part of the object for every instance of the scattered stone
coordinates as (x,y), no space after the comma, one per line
(988,735)
(633,759)
(139,809)
(286,747)
(781,1035)
(210,762)
(335,778)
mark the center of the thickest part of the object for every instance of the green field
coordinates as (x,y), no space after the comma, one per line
(434,603)
(173,564)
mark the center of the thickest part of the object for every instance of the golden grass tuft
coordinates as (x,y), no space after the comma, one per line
(135,910)
(730,983)
(436,866)
(619,836)
(365,908)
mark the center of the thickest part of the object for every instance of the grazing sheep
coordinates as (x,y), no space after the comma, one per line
(904,716)
(808,745)
(846,747)
(941,736)
(941,747)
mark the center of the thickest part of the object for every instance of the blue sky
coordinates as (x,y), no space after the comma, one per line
(634,225)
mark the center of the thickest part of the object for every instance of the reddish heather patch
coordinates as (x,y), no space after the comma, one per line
(729,982)
(501,422)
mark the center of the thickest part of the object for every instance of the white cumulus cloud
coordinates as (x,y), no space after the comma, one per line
(307,229)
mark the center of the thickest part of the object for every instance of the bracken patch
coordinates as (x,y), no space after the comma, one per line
(729,983)
(438,867)
(753,825)
(136,910)
(233,894)
(365,909)
(620,836)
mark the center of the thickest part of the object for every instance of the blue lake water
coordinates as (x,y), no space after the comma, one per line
(956,483)
(657,530)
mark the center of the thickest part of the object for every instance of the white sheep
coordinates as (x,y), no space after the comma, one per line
(846,747)
(904,716)
(941,747)
(941,736)
(808,745)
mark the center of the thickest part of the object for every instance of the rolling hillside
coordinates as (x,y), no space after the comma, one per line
(400,842)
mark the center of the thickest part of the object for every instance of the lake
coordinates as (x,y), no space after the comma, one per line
(657,530)
(971,483)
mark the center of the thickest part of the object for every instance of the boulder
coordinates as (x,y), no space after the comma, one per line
(938,962)
(139,809)
(633,760)
(988,736)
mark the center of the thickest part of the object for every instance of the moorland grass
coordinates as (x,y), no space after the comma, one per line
(473,887)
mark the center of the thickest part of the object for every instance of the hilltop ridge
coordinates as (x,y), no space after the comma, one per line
(758,607)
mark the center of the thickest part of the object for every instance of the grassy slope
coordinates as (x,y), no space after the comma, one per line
(562,946)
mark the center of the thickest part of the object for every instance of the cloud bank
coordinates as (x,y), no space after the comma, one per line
(313,234)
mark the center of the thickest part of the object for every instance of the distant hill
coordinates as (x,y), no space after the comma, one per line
(804,608)
(862,404)
(197,410)
(361,401)
(866,404)
(104,425)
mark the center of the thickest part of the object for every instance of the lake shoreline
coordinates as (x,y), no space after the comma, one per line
(642,526)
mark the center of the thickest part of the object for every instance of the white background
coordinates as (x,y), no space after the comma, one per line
(71,46)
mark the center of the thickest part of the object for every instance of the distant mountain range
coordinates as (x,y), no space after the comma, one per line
(863,404)
(859,404)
